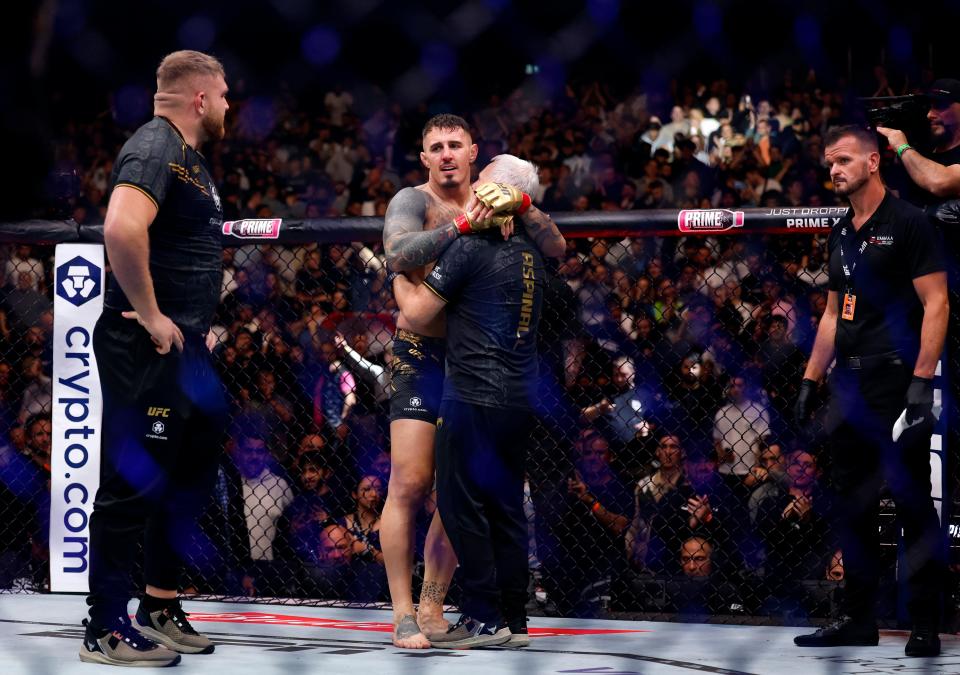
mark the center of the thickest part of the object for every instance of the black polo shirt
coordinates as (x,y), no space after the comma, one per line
(185,237)
(901,245)
(494,291)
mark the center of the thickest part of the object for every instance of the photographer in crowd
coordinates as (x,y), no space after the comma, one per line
(935,178)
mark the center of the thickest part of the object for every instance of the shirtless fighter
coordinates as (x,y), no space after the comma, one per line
(419,225)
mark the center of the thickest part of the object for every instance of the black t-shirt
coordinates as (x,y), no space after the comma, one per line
(605,552)
(495,293)
(920,197)
(185,236)
(951,233)
(901,245)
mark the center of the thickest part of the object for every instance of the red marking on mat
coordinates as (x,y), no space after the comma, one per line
(376,626)
(554,632)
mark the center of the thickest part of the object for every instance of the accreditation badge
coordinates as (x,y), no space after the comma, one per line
(849,305)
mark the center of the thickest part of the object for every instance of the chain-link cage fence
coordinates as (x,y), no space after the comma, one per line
(26,363)
(665,475)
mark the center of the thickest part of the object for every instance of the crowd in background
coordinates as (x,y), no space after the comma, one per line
(664,473)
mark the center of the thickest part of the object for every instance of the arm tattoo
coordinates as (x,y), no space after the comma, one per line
(405,242)
(433,591)
(544,232)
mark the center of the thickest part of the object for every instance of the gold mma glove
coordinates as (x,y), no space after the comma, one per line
(503,198)
(465,225)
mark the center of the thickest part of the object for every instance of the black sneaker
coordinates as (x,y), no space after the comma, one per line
(169,627)
(467,633)
(519,637)
(843,633)
(923,642)
(123,646)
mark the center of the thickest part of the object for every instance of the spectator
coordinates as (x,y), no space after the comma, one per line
(736,428)
(23,304)
(23,494)
(696,558)
(312,284)
(8,401)
(768,476)
(38,393)
(702,588)
(372,396)
(632,419)
(377,374)
(334,393)
(364,523)
(313,504)
(692,398)
(813,266)
(275,410)
(316,505)
(793,527)
(781,363)
(22,261)
(38,445)
(338,103)
(319,481)
(38,342)
(238,365)
(579,164)
(678,125)
(330,571)
(335,570)
(599,507)
(25,503)
(38,437)
(264,495)
(835,566)
(648,495)
(697,502)
(666,309)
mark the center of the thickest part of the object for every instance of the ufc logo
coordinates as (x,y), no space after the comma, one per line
(153,411)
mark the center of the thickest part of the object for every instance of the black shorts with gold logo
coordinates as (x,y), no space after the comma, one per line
(416,376)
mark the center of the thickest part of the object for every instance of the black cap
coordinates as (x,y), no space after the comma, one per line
(945,88)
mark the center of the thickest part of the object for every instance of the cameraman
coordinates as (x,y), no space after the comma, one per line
(937,178)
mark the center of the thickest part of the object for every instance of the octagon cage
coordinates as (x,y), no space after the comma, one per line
(671,347)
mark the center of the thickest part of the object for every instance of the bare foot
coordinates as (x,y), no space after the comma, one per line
(407,634)
(433,625)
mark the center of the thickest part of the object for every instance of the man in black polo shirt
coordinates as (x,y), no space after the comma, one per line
(493,291)
(164,408)
(885,320)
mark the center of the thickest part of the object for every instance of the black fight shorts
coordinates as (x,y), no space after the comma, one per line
(167,404)
(416,377)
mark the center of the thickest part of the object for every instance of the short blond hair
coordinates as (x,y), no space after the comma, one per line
(514,171)
(186,63)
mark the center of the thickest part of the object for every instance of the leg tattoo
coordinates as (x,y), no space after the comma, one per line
(433,592)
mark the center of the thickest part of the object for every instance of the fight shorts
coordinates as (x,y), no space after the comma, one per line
(416,377)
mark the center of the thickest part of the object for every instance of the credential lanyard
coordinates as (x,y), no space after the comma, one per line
(849,264)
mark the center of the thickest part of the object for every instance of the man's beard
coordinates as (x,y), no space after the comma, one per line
(850,186)
(938,135)
(213,128)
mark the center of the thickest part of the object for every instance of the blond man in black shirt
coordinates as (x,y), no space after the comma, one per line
(164,408)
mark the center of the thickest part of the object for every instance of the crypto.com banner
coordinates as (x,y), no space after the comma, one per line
(77,408)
